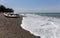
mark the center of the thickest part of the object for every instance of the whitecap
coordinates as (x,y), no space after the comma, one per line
(46,27)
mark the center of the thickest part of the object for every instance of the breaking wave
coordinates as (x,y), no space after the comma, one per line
(44,26)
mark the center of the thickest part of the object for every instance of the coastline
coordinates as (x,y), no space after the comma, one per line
(11,28)
(24,33)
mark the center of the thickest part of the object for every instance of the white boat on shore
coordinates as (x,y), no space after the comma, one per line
(10,15)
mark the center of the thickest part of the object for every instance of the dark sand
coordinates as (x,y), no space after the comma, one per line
(10,28)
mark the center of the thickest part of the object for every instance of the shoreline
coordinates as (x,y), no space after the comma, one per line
(11,28)
(26,33)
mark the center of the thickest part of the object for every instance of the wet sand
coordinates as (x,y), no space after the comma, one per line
(10,28)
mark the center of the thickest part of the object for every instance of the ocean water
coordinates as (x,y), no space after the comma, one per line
(45,25)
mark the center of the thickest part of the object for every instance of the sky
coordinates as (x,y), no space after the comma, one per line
(32,5)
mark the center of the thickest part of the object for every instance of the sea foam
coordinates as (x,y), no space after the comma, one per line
(46,27)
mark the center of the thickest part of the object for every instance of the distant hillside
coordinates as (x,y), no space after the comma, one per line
(5,9)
